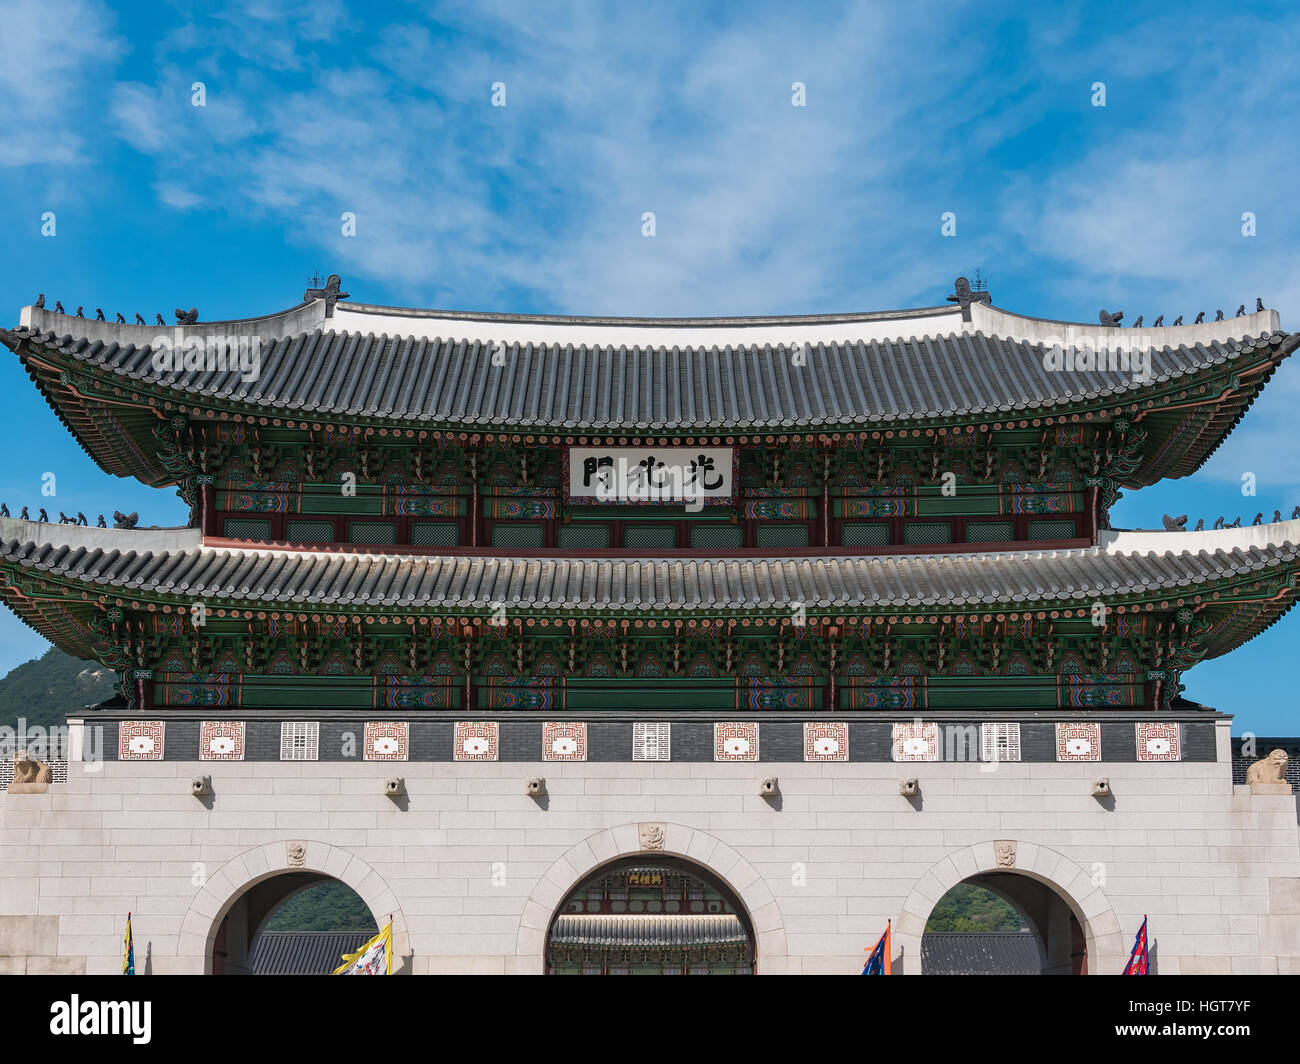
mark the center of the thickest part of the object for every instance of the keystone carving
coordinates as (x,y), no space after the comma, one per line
(297,854)
(1005,854)
(652,836)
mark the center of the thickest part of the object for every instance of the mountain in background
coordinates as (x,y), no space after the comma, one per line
(46,689)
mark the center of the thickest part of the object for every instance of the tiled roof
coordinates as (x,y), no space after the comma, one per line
(980,953)
(173,562)
(451,381)
(647,929)
(304,952)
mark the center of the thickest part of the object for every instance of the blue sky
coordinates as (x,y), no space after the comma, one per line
(385,110)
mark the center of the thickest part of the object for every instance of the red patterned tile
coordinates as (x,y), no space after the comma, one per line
(1078,742)
(564,741)
(1158,741)
(735,741)
(221,740)
(387,740)
(917,741)
(140,740)
(476,741)
(826,741)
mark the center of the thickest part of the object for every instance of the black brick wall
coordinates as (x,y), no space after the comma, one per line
(692,741)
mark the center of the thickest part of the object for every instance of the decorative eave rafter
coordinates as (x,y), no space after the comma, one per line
(1235,587)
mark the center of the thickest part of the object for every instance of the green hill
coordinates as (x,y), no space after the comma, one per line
(46,689)
(326,907)
(968,907)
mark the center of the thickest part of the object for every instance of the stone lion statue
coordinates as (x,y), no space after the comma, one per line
(30,775)
(1271,769)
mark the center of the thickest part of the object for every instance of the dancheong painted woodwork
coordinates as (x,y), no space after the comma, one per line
(402,515)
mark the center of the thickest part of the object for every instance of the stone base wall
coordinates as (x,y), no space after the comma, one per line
(473,869)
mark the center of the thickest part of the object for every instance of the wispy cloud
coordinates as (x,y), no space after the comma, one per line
(53,50)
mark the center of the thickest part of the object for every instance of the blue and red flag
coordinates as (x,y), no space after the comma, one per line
(1139,962)
(128,950)
(878,962)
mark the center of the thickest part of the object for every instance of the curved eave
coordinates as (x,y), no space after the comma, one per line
(1254,570)
(119,449)
(1190,411)
(1184,452)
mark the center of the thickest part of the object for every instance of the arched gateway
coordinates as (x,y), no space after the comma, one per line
(236,900)
(1050,940)
(740,925)
(1076,930)
(651,916)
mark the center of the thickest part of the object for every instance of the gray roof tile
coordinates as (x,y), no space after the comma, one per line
(615,387)
(126,559)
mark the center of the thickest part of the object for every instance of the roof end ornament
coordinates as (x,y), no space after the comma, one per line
(331,293)
(965,294)
(1111,321)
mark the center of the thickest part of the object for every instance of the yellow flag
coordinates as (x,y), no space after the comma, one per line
(374,958)
(128,950)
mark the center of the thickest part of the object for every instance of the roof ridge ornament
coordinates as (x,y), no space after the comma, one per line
(331,293)
(187,317)
(964,294)
(1111,321)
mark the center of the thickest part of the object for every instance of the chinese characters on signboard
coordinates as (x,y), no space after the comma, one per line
(645,879)
(690,475)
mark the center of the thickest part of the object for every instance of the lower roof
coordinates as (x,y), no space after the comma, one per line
(174,564)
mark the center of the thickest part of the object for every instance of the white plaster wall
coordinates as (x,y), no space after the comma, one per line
(1217,869)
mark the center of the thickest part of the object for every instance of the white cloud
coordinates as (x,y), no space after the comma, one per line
(175,196)
(53,49)
(761,206)
(138,113)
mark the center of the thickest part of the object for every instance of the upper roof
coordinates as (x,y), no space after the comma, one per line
(342,361)
(175,566)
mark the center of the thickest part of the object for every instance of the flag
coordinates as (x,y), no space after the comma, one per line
(374,958)
(878,962)
(1138,962)
(128,950)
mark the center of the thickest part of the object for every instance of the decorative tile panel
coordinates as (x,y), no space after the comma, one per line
(735,741)
(221,740)
(1158,741)
(825,741)
(564,741)
(387,740)
(652,742)
(918,741)
(300,740)
(140,740)
(1078,742)
(999,742)
(476,741)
